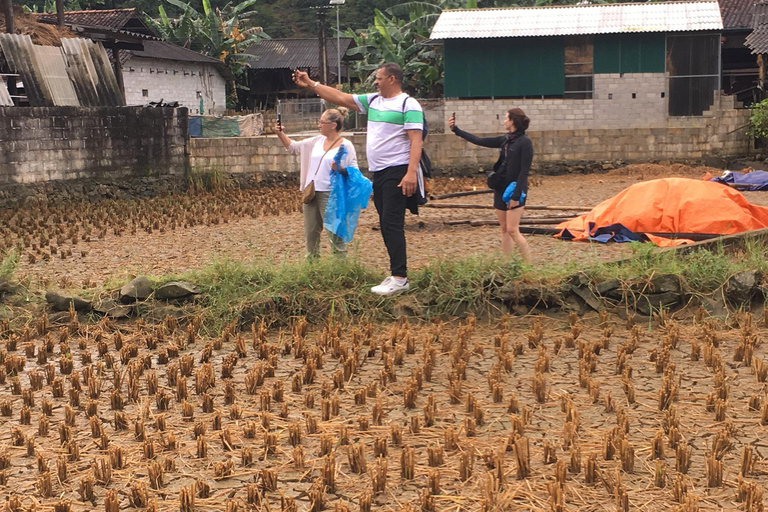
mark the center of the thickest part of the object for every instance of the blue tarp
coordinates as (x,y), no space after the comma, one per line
(612,233)
(195,126)
(755,180)
(349,194)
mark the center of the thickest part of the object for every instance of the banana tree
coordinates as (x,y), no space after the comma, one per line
(390,39)
(224,34)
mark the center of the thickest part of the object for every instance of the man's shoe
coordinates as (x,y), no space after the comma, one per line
(390,286)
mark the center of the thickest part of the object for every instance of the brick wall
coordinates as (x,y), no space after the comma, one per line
(39,144)
(723,133)
(174,81)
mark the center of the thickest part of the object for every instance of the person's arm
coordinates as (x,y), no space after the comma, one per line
(282,136)
(329,94)
(526,159)
(410,181)
(486,142)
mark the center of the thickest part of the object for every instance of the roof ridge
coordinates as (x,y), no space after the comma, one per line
(573,6)
(125,9)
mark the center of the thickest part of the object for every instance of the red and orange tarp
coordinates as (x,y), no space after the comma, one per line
(667,206)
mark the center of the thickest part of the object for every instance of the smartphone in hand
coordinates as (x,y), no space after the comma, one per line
(280,120)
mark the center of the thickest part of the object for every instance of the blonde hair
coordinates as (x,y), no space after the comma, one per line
(337,115)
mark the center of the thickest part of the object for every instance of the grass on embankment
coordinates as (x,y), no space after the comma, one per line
(243,292)
(445,288)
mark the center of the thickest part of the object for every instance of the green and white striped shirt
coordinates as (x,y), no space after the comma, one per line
(387,143)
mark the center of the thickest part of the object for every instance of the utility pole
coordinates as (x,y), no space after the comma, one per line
(8,14)
(323,62)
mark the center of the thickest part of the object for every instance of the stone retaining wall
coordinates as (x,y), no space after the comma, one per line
(41,144)
(721,135)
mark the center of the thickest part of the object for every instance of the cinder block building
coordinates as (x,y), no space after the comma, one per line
(584,66)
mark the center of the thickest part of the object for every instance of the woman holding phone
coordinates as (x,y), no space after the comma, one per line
(509,179)
(316,160)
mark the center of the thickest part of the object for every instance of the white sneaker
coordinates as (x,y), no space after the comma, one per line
(390,286)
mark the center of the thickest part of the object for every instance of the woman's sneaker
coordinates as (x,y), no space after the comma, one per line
(391,286)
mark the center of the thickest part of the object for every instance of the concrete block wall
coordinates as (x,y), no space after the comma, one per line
(721,134)
(39,144)
(630,100)
(174,81)
(545,114)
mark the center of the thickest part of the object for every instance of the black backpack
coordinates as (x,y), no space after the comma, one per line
(426,163)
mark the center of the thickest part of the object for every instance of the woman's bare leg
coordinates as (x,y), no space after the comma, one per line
(513,230)
(507,244)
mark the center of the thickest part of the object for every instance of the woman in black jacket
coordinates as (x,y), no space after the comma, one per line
(513,165)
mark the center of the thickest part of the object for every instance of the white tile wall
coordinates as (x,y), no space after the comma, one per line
(174,81)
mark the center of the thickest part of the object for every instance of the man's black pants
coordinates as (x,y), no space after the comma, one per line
(390,203)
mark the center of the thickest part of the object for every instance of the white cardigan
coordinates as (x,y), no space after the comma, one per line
(303,148)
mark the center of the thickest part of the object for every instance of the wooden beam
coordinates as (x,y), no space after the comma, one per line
(533,207)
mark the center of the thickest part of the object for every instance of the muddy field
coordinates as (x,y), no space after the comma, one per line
(88,244)
(587,414)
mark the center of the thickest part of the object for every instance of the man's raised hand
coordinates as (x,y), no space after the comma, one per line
(301,78)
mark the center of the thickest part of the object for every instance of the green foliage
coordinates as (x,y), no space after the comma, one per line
(390,39)
(450,287)
(9,262)
(222,33)
(758,120)
(278,293)
(210,180)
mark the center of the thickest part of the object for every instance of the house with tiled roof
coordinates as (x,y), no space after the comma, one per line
(159,70)
(739,65)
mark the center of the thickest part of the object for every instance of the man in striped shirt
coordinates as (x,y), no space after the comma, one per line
(393,149)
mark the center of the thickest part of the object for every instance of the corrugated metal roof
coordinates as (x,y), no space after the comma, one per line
(757,41)
(169,51)
(578,19)
(53,69)
(737,14)
(294,53)
(19,52)
(5,98)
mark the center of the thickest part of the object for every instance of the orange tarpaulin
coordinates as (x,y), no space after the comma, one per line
(672,205)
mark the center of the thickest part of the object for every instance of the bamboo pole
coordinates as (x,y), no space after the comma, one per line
(463,194)
(490,207)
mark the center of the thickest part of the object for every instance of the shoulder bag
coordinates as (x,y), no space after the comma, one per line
(309,189)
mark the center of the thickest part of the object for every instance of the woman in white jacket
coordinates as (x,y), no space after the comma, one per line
(316,156)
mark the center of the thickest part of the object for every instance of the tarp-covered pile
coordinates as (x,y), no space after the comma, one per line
(229,126)
(669,206)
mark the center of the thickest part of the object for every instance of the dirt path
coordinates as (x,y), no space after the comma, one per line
(280,238)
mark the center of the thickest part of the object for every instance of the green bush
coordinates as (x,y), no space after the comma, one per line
(758,120)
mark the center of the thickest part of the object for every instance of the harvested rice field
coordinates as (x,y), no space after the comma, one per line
(526,413)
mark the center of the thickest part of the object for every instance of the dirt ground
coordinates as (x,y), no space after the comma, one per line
(280,238)
(450,408)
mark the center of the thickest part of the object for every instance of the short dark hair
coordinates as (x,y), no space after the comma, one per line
(518,117)
(393,69)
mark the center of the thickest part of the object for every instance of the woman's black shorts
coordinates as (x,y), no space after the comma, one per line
(499,204)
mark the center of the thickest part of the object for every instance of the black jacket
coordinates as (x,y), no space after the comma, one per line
(517,164)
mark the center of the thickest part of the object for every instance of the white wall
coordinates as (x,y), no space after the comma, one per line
(174,81)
